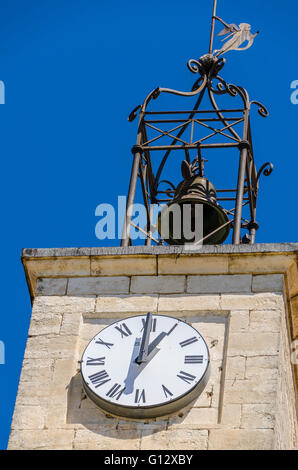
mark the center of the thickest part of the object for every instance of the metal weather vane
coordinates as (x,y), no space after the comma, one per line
(236,35)
(239,35)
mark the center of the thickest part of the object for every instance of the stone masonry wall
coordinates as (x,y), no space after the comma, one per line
(241,316)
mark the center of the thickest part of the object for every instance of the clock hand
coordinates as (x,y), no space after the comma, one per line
(143,353)
(158,339)
(152,346)
(135,368)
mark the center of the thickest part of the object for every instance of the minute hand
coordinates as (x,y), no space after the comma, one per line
(143,353)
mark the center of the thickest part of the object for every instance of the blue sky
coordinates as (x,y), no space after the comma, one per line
(73,70)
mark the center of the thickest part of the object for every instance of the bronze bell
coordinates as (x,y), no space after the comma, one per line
(194,190)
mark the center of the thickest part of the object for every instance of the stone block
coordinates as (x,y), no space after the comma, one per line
(37,370)
(265,320)
(45,324)
(253,344)
(90,415)
(28,417)
(51,286)
(231,416)
(294,317)
(219,284)
(70,325)
(157,284)
(63,305)
(239,320)
(194,418)
(55,418)
(260,263)
(64,370)
(44,439)
(129,305)
(268,283)
(50,347)
(106,438)
(262,366)
(31,394)
(176,439)
(235,368)
(189,264)
(98,285)
(258,416)
(292,280)
(184,305)
(123,266)
(240,439)
(250,391)
(264,301)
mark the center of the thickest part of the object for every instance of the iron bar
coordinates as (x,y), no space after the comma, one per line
(190,146)
(167,133)
(196,111)
(130,199)
(239,197)
(231,199)
(218,131)
(212,26)
(150,237)
(228,190)
(132,185)
(169,121)
(144,232)
(145,195)
(214,231)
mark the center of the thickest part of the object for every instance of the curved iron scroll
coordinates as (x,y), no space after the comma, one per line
(266,171)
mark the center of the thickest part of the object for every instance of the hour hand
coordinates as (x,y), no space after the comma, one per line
(153,346)
(135,369)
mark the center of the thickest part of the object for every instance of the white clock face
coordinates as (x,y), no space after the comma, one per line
(173,371)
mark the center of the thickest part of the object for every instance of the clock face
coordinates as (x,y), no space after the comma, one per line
(171,371)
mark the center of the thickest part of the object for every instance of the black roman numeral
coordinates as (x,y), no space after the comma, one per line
(193,360)
(153,327)
(99,361)
(100,378)
(124,330)
(189,341)
(172,329)
(140,396)
(115,392)
(166,391)
(108,345)
(188,378)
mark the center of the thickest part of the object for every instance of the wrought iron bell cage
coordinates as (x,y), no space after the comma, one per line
(213,86)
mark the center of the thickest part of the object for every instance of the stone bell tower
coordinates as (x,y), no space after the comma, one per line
(241,296)
(242,299)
